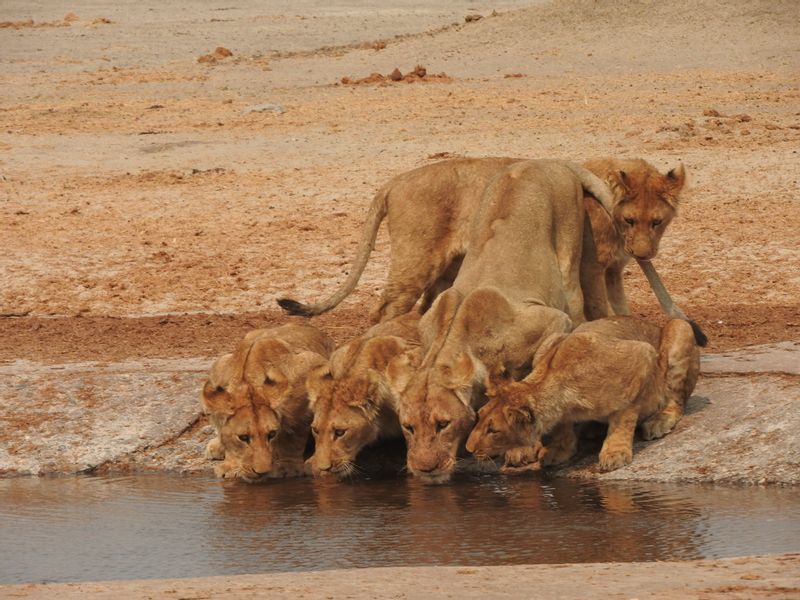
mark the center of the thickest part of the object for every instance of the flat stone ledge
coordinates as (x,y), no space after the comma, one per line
(768,358)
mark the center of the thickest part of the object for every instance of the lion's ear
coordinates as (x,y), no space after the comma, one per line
(520,413)
(624,180)
(216,399)
(314,382)
(401,368)
(676,179)
(467,373)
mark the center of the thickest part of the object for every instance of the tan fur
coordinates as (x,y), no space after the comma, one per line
(256,399)
(426,253)
(350,398)
(621,370)
(648,202)
(501,305)
(428,210)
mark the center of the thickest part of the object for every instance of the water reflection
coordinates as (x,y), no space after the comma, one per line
(161,526)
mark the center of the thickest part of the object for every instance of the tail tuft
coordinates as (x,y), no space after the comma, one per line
(699,336)
(293,307)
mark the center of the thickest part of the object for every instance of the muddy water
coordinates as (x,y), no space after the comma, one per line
(155,526)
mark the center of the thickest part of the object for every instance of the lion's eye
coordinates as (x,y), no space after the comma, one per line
(490,430)
(337,433)
(440,425)
(409,428)
(268,380)
(630,221)
(244,438)
(219,389)
(656,222)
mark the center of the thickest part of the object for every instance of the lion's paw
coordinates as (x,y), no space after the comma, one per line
(289,469)
(522,455)
(555,455)
(225,471)
(658,425)
(214,450)
(614,459)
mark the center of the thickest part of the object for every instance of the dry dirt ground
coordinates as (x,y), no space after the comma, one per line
(152,205)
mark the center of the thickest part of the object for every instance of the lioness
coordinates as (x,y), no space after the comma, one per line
(426,253)
(350,398)
(256,399)
(621,370)
(514,287)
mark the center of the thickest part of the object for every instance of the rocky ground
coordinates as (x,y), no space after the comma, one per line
(166,173)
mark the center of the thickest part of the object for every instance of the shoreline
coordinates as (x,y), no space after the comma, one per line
(773,576)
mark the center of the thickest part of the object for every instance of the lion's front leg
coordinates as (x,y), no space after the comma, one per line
(617,448)
(215,449)
(288,456)
(563,445)
(616,290)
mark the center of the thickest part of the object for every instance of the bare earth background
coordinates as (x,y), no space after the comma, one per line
(153,206)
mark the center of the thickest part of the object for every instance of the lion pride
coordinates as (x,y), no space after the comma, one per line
(621,370)
(256,399)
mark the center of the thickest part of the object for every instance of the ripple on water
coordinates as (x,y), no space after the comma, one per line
(146,526)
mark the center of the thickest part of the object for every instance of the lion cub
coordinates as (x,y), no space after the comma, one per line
(256,399)
(350,397)
(621,370)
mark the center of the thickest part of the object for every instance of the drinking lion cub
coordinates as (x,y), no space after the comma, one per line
(256,399)
(350,396)
(621,370)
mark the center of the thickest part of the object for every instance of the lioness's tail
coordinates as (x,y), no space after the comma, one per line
(376,214)
(667,305)
(594,185)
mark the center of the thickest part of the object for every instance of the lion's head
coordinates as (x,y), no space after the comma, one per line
(352,403)
(647,201)
(257,401)
(505,422)
(345,419)
(436,414)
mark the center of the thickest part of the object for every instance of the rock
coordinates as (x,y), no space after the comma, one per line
(396,75)
(274,108)
(472,18)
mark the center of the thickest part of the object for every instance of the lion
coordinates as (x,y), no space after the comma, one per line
(516,286)
(426,254)
(621,370)
(352,404)
(256,400)
(647,203)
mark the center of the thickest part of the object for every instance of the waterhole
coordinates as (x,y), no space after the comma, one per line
(160,526)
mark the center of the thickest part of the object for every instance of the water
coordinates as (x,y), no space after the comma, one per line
(159,526)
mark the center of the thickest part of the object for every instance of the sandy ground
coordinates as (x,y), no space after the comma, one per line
(153,205)
(774,577)
(148,210)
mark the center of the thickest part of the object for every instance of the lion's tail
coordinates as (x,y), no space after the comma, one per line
(376,214)
(595,186)
(667,305)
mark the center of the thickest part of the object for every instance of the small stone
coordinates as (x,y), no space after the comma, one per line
(396,75)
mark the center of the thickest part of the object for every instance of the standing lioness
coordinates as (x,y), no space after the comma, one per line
(518,282)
